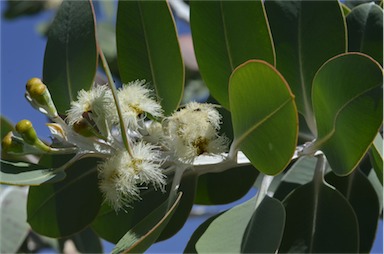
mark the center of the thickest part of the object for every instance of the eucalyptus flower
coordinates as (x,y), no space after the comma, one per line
(96,104)
(194,131)
(136,101)
(122,175)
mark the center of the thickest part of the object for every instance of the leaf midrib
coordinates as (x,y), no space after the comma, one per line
(149,53)
(239,140)
(328,136)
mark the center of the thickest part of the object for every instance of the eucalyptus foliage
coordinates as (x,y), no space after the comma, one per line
(301,84)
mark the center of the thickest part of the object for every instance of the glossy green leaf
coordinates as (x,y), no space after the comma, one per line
(145,233)
(319,220)
(112,226)
(226,34)
(264,116)
(86,241)
(70,58)
(265,229)
(359,192)
(365,30)
(225,187)
(348,105)
(66,207)
(305,34)
(376,156)
(225,233)
(23,173)
(14,227)
(147,48)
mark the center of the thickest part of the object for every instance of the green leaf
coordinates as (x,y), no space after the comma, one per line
(319,220)
(345,9)
(357,189)
(299,174)
(23,173)
(145,233)
(70,58)
(190,248)
(348,105)
(225,233)
(183,210)
(376,156)
(112,226)
(305,34)
(86,241)
(224,36)
(5,126)
(265,229)
(264,116)
(19,8)
(225,187)
(66,207)
(14,228)
(365,30)
(147,48)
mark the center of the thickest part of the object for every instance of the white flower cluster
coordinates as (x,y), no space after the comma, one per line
(157,145)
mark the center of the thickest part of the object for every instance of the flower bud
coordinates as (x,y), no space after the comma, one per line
(28,133)
(8,144)
(83,128)
(38,95)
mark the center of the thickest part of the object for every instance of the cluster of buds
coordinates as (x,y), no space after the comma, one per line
(157,145)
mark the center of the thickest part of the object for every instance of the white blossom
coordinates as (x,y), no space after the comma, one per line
(97,103)
(122,176)
(135,101)
(194,131)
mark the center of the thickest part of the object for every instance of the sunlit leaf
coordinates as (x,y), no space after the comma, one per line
(145,233)
(64,208)
(305,34)
(359,192)
(265,229)
(319,220)
(70,58)
(23,173)
(365,30)
(264,116)
(348,105)
(147,48)
(226,34)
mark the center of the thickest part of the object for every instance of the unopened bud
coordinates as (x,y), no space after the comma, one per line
(39,96)
(8,144)
(36,89)
(83,128)
(28,133)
